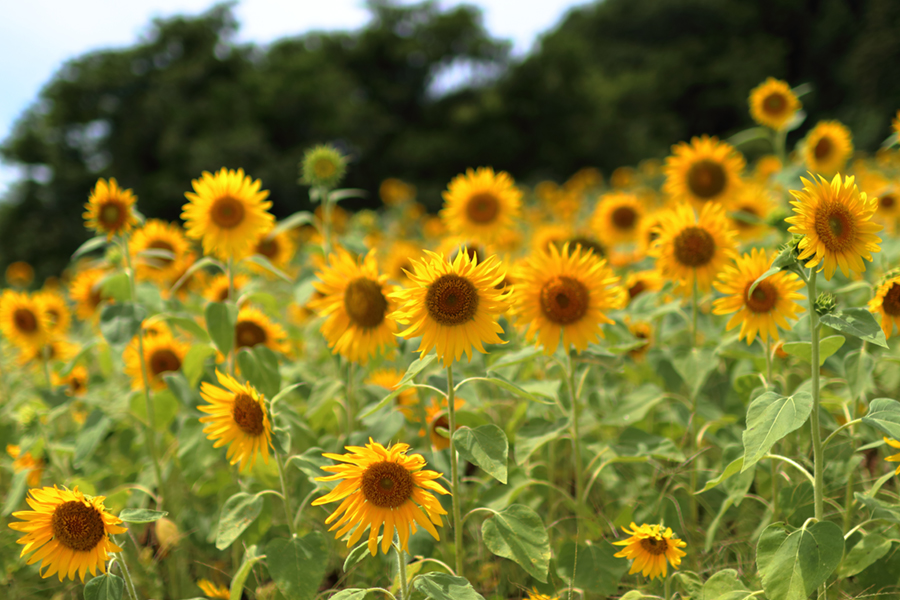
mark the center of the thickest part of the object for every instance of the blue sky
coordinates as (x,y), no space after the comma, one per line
(38,36)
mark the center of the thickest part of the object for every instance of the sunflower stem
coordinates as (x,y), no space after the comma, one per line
(151,416)
(229,269)
(694,295)
(326,221)
(818,447)
(348,409)
(667,594)
(576,436)
(285,498)
(454,474)
(126,574)
(769,384)
(848,495)
(780,142)
(401,565)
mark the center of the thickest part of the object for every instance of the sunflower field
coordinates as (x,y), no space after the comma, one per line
(676,382)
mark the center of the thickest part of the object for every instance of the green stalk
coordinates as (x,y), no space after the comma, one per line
(286,500)
(326,221)
(576,437)
(454,474)
(349,408)
(848,495)
(129,584)
(780,142)
(232,356)
(694,303)
(401,564)
(818,448)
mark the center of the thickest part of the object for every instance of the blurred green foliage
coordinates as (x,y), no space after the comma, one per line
(616,82)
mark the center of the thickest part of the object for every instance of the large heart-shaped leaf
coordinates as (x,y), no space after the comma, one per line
(770,418)
(485,446)
(517,533)
(297,565)
(793,565)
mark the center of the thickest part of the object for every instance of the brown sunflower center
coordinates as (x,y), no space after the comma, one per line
(624,217)
(749,211)
(834,225)
(694,247)
(638,287)
(482,208)
(25,320)
(111,215)
(268,247)
(227,212)
(164,359)
(387,484)
(76,385)
(52,316)
(887,201)
(77,526)
(564,300)
(249,334)
(248,414)
(96,296)
(587,244)
(654,546)
(822,148)
(452,300)
(162,245)
(774,104)
(763,298)
(324,168)
(706,179)
(891,302)
(365,303)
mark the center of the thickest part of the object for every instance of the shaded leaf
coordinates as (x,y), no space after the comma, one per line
(440,586)
(865,553)
(485,446)
(827,347)
(594,567)
(89,437)
(238,513)
(104,587)
(858,322)
(535,434)
(297,565)
(793,565)
(121,322)
(221,318)
(884,415)
(518,533)
(141,515)
(770,418)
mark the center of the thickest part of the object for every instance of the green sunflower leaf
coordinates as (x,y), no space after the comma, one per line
(104,587)
(485,446)
(141,515)
(440,586)
(518,533)
(297,565)
(221,319)
(770,418)
(793,565)
(857,322)
(238,514)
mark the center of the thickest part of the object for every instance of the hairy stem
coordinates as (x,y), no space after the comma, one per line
(454,474)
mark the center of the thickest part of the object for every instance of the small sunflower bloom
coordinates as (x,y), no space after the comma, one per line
(323,166)
(382,486)
(650,546)
(887,303)
(236,415)
(835,220)
(896,457)
(162,354)
(67,531)
(213,591)
(704,171)
(110,209)
(28,463)
(22,321)
(481,204)
(827,147)
(19,274)
(159,248)
(86,290)
(253,328)
(617,218)
(773,104)
(533,594)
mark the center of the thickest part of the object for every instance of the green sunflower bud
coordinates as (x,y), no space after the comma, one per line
(825,303)
(323,166)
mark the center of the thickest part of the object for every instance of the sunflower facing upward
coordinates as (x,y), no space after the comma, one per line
(835,220)
(704,171)
(481,204)
(109,209)
(382,486)
(67,531)
(228,212)
(770,304)
(689,248)
(827,147)
(650,547)
(454,305)
(887,303)
(356,306)
(564,292)
(773,104)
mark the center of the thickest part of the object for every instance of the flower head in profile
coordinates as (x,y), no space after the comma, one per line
(887,303)
(382,486)
(773,104)
(236,415)
(481,204)
(227,212)
(110,209)
(67,531)
(895,457)
(827,147)
(86,290)
(835,220)
(650,546)
(704,171)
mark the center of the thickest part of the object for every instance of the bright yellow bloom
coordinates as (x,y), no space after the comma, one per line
(749,210)
(533,594)
(228,212)
(86,290)
(56,309)
(19,274)
(382,486)
(278,250)
(75,381)
(162,354)
(773,104)
(895,457)
(650,547)
(827,147)
(887,303)
(481,204)
(22,321)
(213,591)
(26,462)
(617,218)
(835,221)
(253,327)
(704,171)
(109,209)
(237,415)
(165,239)
(67,531)
(638,282)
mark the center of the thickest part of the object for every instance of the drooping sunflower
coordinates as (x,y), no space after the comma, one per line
(87,292)
(19,274)
(749,209)
(896,457)
(704,171)
(21,319)
(67,531)
(769,306)
(228,212)
(481,204)
(617,217)
(56,309)
(237,415)
(835,220)
(159,248)
(564,292)
(773,104)
(651,547)
(887,303)
(109,209)
(690,248)
(162,354)
(356,303)
(827,147)
(454,305)
(382,486)
(253,327)
(437,416)
(217,290)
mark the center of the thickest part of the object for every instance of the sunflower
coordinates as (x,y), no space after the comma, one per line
(382,486)
(86,290)
(28,463)
(390,380)
(617,217)
(19,274)
(356,306)
(887,302)
(278,249)
(878,186)
(164,238)
(638,282)
(213,591)
(109,209)
(770,304)
(690,248)
(642,331)
(536,595)
(323,165)
(896,457)
(749,210)
(56,311)
(773,104)
(398,260)
(237,415)
(481,204)
(162,354)
(75,381)
(564,292)
(767,167)
(217,289)
(67,531)
(394,192)
(228,212)
(436,416)
(22,321)
(453,305)
(648,231)
(827,147)
(650,546)
(835,222)
(704,171)
(253,327)
(58,349)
